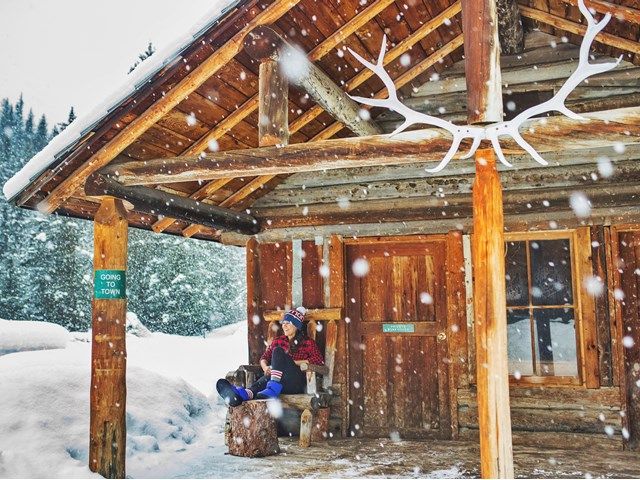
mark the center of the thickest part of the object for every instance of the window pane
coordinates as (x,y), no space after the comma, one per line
(555,342)
(516,269)
(519,338)
(550,272)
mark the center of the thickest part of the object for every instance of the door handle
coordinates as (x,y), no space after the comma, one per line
(442,336)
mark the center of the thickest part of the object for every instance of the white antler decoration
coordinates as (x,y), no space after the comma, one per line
(494,131)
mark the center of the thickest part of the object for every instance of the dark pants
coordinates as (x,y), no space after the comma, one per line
(293,379)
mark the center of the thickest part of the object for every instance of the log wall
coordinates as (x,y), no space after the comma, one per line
(270,270)
(602,401)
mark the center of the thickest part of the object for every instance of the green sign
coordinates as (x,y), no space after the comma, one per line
(398,328)
(109,284)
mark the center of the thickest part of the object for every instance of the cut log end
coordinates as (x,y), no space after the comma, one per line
(252,431)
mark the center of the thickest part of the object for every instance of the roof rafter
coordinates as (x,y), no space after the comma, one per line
(564,24)
(621,12)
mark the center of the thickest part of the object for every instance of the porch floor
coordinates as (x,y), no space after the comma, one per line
(353,458)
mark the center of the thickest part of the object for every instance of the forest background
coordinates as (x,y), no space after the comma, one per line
(174,285)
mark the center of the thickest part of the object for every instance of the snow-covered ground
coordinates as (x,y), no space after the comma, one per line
(174,418)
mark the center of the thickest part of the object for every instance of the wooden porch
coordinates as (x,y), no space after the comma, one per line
(535,455)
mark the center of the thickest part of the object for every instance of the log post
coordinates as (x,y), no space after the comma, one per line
(306,424)
(494,416)
(108,349)
(273,100)
(482,61)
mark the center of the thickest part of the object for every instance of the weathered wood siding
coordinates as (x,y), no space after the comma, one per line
(588,408)
(627,261)
(270,271)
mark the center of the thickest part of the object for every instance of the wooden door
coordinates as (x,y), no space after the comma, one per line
(397,335)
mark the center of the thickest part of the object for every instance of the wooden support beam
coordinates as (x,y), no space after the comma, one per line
(399,82)
(198,195)
(108,395)
(510,31)
(601,129)
(482,61)
(490,325)
(164,105)
(621,12)
(564,24)
(256,332)
(158,202)
(263,42)
(273,94)
(401,48)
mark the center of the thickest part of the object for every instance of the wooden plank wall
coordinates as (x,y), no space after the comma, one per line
(626,248)
(269,287)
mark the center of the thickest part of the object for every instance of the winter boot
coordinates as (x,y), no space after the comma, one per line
(232,395)
(272,391)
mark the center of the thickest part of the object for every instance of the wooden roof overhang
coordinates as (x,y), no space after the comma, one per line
(209,94)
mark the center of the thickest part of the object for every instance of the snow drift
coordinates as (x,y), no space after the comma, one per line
(20,336)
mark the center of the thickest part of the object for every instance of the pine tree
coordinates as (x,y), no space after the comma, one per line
(72,116)
(28,125)
(42,135)
(60,126)
(143,56)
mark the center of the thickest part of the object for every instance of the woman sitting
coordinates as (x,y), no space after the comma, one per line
(281,364)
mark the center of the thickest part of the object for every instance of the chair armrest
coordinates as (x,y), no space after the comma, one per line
(251,368)
(320,369)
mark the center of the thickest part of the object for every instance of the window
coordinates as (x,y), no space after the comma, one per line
(542,307)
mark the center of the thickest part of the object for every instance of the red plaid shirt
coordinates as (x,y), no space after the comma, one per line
(307,351)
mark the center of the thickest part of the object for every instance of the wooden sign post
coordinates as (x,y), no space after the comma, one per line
(108,349)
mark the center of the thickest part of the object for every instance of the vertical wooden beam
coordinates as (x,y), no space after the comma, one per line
(273,99)
(496,456)
(482,61)
(108,348)
(339,332)
(456,324)
(583,248)
(273,129)
(600,254)
(255,327)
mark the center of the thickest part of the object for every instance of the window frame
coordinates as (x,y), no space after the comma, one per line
(577,292)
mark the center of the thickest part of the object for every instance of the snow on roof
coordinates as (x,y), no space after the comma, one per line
(63,142)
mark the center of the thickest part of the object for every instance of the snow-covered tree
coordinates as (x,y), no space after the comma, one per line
(175,285)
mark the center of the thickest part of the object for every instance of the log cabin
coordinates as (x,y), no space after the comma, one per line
(480,301)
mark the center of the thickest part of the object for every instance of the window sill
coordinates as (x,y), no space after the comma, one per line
(549,380)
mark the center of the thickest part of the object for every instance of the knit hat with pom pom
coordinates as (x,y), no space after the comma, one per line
(295,316)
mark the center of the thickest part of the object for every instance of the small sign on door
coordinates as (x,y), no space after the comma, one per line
(398,328)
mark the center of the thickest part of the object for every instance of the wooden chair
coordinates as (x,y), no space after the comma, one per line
(319,378)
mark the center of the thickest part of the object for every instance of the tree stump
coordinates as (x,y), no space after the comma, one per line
(253,431)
